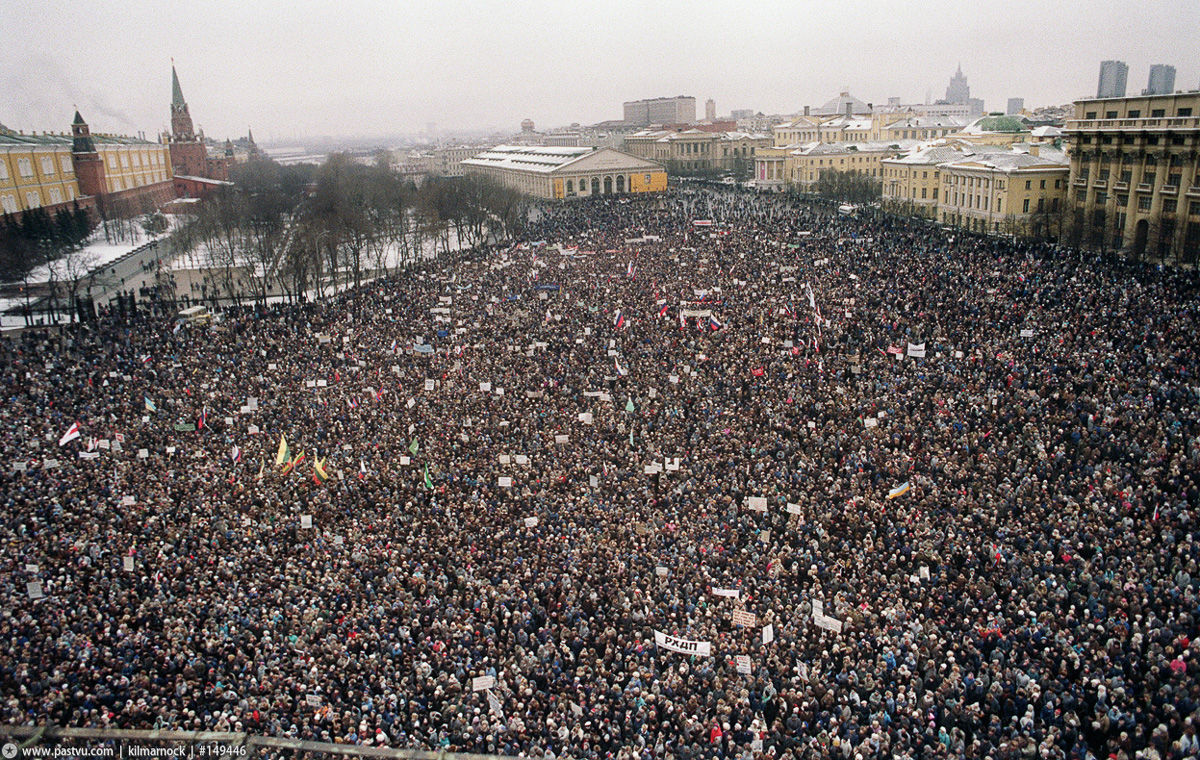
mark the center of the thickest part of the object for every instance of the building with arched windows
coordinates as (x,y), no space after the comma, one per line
(568,172)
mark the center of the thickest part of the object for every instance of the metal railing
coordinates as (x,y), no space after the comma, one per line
(53,741)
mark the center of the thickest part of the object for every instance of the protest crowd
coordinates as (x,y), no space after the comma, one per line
(714,475)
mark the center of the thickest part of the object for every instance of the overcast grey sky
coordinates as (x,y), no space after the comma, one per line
(360,68)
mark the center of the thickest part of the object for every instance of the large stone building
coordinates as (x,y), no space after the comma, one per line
(880,125)
(696,151)
(1135,175)
(566,172)
(680,109)
(114,175)
(1007,192)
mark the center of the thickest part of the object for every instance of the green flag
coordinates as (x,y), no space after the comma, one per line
(629,405)
(428,480)
(414,447)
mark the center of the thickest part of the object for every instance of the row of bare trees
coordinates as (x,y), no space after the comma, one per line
(302,232)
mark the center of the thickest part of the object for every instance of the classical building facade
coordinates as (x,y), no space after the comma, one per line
(693,151)
(878,126)
(567,172)
(1135,175)
(116,175)
(1004,192)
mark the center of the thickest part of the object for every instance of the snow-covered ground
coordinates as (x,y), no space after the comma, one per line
(96,253)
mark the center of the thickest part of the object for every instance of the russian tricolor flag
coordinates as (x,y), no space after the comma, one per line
(663,311)
(619,322)
(713,323)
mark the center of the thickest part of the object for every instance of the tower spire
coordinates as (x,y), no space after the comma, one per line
(177,100)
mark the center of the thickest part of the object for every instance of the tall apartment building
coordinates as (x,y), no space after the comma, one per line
(1015,106)
(710,110)
(680,109)
(1135,175)
(1112,79)
(1162,80)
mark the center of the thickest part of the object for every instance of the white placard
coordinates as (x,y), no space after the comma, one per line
(1027,333)
(310,383)
(229,421)
(661,571)
(253,430)
(34,590)
(322,383)
(923,572)
(505,459)
(768,634)
(683,646)
(593,481)
(756,503)
(828,623)
(521,459)
(429,384)
(20,466)
(272,366)
(89,455)
(792,509)
(672,465)
(411,403)
(743,663)
(31,568)
(870,422)
(585,418)
(104,444)
(818,608)
(531,522)
(742,617)
(673,378)
(405,460)
(127,563)
(305,521)
(128,501)
(731,593)
(49,464)
(312,700)
(485,387)
(505,481)
(561,438)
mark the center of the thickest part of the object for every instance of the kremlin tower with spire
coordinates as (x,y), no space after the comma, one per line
(189,153)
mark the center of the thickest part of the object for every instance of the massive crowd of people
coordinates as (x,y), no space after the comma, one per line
(697,438)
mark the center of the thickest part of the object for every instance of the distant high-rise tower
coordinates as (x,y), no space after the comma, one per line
(1162,80)
(958,91)
(710,108)
(1112,79)
(1015,105)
